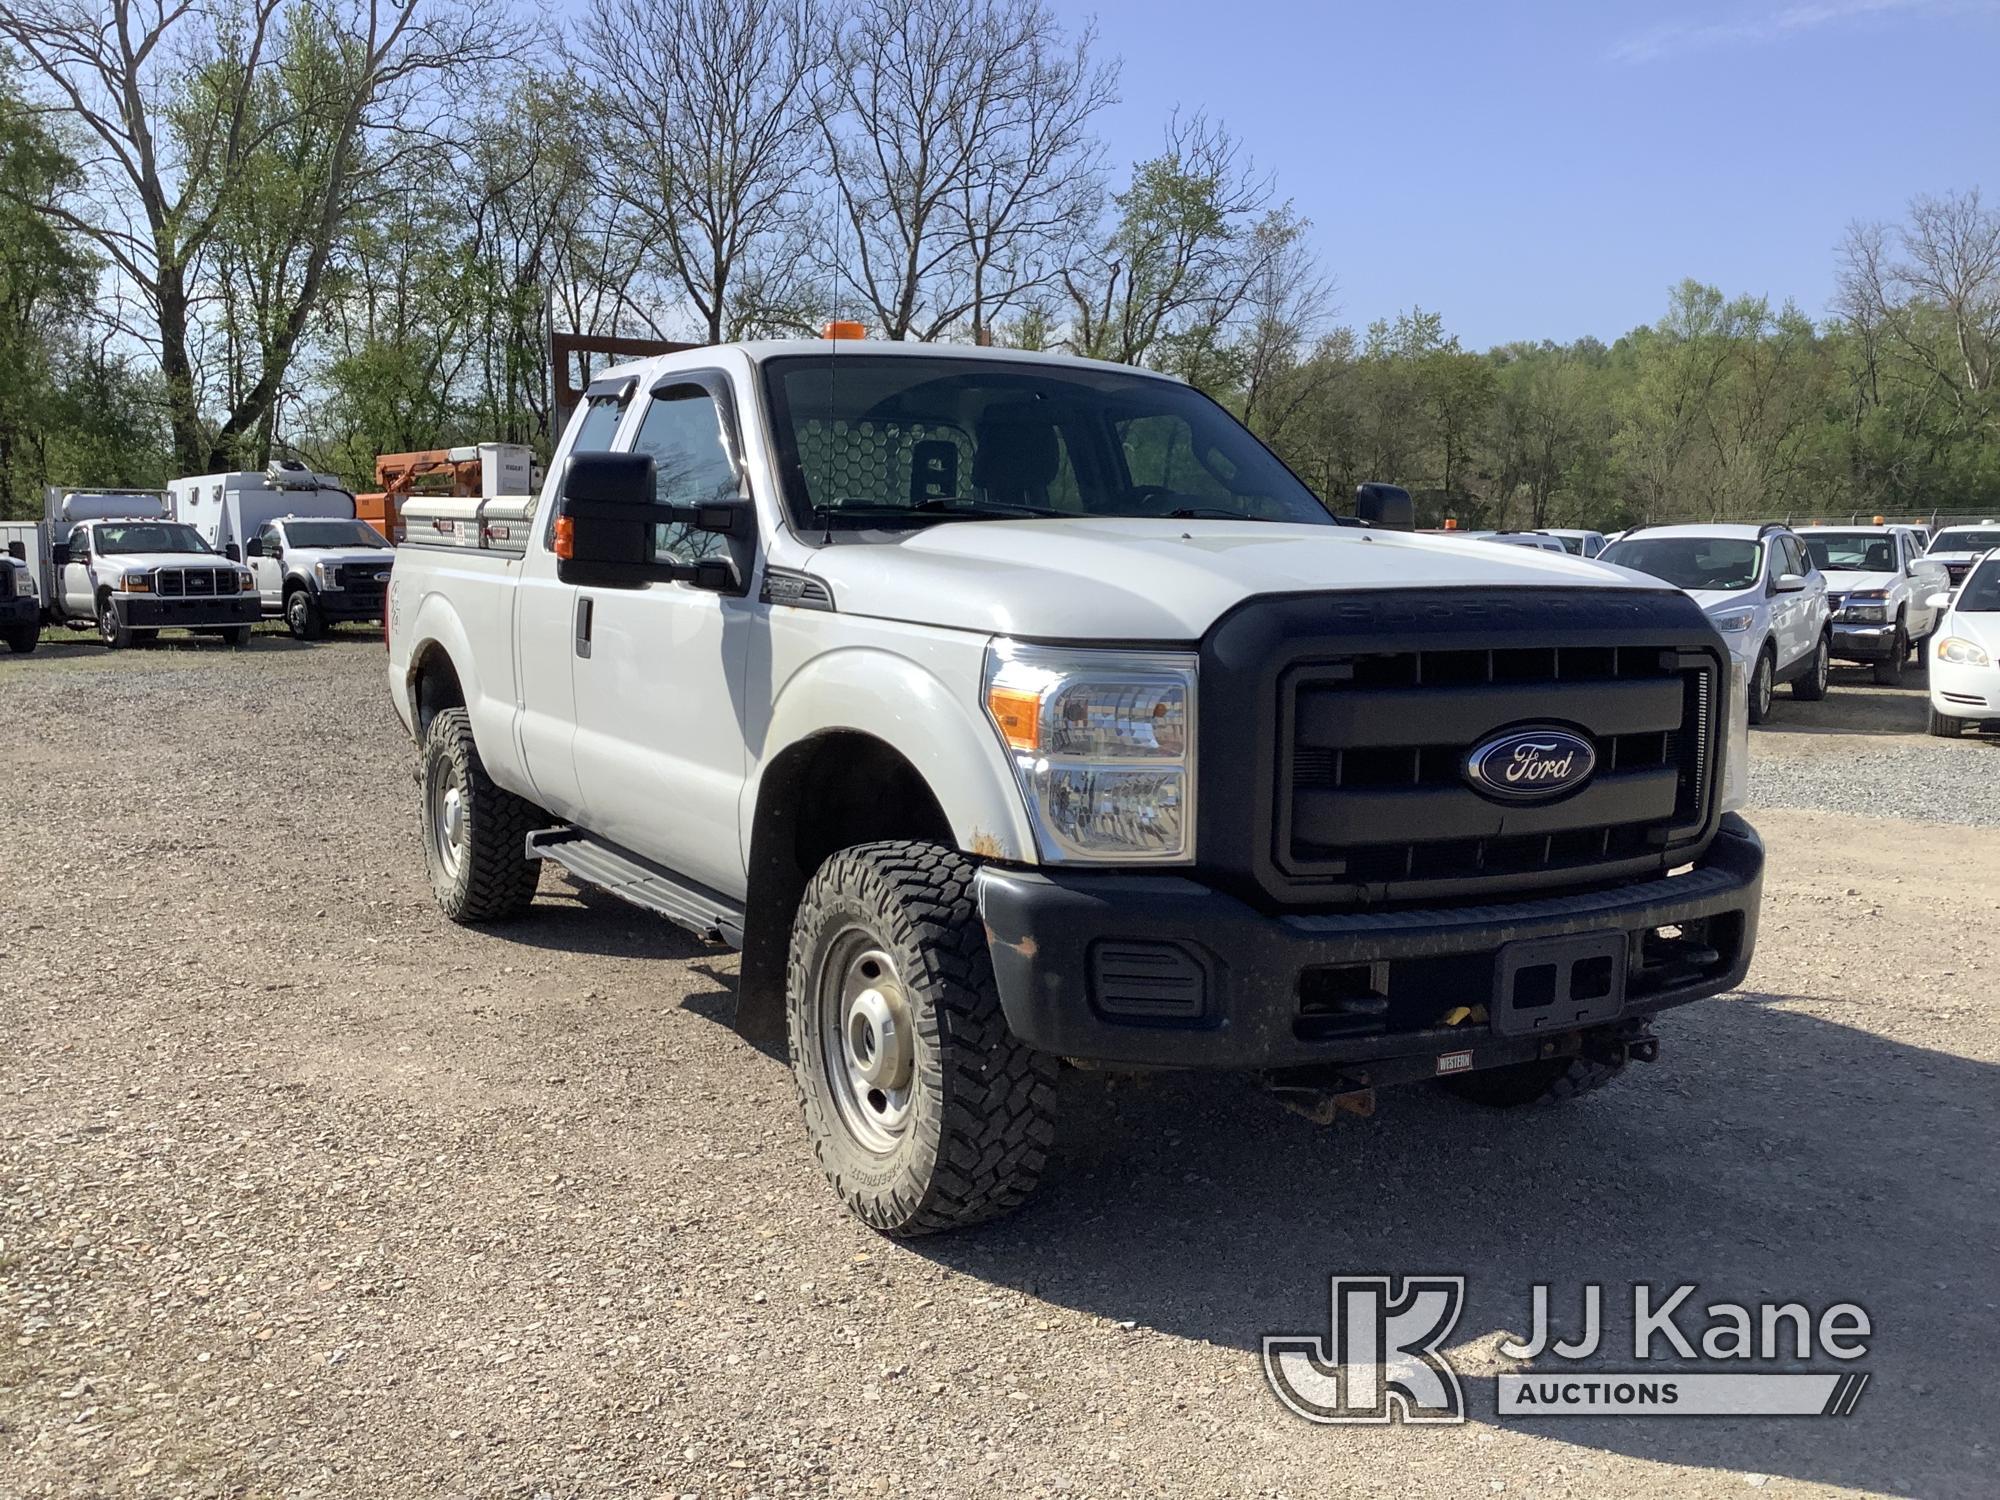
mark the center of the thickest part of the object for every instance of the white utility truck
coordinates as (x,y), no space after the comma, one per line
(1005,708)
(115,561)
(315,564)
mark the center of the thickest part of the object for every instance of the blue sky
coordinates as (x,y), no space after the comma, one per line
(1547,168)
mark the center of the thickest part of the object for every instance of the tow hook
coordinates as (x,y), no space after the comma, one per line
(1322,1096)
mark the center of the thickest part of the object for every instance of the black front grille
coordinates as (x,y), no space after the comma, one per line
(1375,714)
(189,583)
(365,578)
(1373,788)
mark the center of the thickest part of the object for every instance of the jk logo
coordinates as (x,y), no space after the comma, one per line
(1379,1360)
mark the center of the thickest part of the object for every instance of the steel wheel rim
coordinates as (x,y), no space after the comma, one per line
(867,1041)
(1763,685)
(107,624)
(448,818)
(1822,666)
(295,613)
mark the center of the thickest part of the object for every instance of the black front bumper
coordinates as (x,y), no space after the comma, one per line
(20,609)
(1161,970)
(350,604)
(141,612)
(1856,642)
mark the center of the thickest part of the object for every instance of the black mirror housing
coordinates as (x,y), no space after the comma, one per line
(1387,507)
(604,534)
(235,553)
(59,554)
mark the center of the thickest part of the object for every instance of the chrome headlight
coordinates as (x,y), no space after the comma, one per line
(329,578)
(1731,620)
(24,583)
(1957,649)
(1102,745)
(1736,741)
(136,583)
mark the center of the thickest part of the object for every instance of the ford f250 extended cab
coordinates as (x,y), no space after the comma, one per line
(1006,708)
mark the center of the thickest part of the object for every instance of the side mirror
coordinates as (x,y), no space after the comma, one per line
(1791,583)
(59,554)
(1938,601)
(252,548)
(18,551)
(604,534)
(233,552)
(1387,507)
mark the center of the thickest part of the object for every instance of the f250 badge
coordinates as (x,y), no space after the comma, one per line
(1528,765)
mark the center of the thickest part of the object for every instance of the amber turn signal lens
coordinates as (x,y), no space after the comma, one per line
(565,538)
(1018,714)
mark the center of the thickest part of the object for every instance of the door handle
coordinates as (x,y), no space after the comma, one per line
(583,612)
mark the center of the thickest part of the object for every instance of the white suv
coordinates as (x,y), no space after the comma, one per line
(1761,590)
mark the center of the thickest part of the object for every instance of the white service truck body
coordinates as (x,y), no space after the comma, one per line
(1006,707)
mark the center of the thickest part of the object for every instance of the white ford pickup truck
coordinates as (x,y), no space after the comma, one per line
(1005,708)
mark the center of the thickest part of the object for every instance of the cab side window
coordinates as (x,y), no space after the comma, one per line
(268,538)
(682,430)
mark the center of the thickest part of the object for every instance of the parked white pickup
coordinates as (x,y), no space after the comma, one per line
(1006,707)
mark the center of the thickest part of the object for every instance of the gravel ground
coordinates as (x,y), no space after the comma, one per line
(305,1192)
(1865,749)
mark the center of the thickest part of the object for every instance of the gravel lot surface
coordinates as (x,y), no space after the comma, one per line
(305,1192)
(1864,749)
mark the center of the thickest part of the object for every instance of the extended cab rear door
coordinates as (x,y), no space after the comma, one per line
(660,668)
(546,621)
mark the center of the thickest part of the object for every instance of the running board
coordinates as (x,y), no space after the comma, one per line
(711,917)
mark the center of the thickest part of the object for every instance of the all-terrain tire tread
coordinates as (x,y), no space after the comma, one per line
(996,1095)
(497,879)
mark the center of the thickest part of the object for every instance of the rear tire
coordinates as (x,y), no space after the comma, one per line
(475,835)
(924,1109)
(1889,671)
(1945,727)
(1543,1080)
(236,635)
(1762,685)
(1812,687)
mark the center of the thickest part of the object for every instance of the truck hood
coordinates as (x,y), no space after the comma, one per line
(145,562)
(1842,581)
(1712,600)
(340,556)
(1156,580)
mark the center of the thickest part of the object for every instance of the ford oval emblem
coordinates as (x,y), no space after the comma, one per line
(1530,765)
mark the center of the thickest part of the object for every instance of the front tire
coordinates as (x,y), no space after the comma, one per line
(1762,685)
(1812,687)
(114,635)
(924,1109)
(24,638)
(1889,671)
(1945,727)
(1543,1080)
(475,835)
(303,616)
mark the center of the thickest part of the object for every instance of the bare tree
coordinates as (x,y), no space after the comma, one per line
(708,132)
(164,177)
(957,137)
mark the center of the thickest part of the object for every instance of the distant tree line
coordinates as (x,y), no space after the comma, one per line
(234,229)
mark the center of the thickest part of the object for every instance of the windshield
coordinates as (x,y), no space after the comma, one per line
(1571,544)
(148,536)
(882,440)
(1852,551)
(332,534)
(1981,594)
(1969,540)
(1691,562)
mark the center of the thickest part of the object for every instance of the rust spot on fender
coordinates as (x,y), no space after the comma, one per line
(985,845)
(1026,947)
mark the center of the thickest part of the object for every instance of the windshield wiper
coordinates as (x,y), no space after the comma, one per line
(938,507)
(1209,513)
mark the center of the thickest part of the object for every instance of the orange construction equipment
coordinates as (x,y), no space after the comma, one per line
(481,469)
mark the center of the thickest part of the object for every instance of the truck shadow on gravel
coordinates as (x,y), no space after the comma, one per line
(1769,1156)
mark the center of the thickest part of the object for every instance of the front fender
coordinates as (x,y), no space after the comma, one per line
(946,738)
